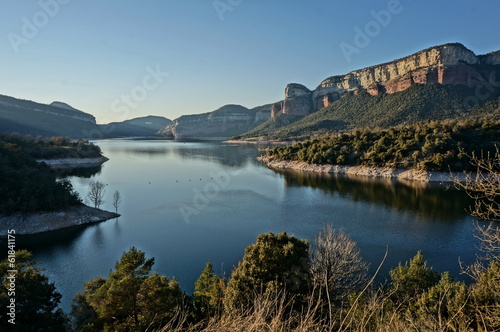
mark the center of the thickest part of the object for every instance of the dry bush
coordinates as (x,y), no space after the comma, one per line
(483,186)
(336,264)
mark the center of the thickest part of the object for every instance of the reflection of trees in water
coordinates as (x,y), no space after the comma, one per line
(434,201)
(81,172)
(48,241)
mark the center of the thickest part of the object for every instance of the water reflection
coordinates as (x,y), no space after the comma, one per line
(231,155)
(81,172)
(425,199)
(62,238)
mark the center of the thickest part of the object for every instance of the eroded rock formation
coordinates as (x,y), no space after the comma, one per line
(445,64)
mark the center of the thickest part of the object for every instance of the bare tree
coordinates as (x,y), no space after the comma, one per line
(96,193)
(484,187)
(336,264)
(117,199)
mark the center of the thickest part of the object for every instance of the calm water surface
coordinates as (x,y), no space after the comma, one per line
(185,203)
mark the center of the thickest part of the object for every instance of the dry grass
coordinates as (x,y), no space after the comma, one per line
(372,313)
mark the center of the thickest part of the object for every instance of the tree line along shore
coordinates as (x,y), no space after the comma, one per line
(412,152)
(32,199)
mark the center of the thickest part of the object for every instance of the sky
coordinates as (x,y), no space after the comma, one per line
(121,59)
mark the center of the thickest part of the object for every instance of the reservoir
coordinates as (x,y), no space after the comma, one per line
(185,203)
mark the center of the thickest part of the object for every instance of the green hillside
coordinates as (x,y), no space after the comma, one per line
(417,103)
(271,125)
(28,186)
(433,145)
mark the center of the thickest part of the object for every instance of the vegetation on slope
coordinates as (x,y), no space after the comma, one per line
(318,287)
(434,145)
(29,186)
(275,123)
(52,147)
(415,104)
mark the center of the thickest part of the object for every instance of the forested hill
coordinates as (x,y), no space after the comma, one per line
(53,147)
(432,145)
(28,186)
(415,104)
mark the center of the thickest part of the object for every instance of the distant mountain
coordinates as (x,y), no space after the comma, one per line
(143,126)
(227,121)
(31,118)
(60,119)
(374,96)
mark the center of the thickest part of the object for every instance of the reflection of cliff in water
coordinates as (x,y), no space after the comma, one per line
(231,155)
(440,202)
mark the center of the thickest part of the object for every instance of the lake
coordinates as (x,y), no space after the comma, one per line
(185,203)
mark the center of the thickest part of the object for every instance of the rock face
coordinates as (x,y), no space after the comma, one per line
(492,58)
(40,222)
(445,64)
(366,171)
(227,121)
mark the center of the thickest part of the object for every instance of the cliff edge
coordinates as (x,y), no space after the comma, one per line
(445,64)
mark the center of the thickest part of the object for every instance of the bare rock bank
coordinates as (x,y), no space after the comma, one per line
(379,172)
(40,222)
(66,163)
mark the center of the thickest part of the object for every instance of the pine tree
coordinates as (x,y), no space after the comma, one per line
(275,263)
(36,299)
(412,278)
(129,299)
(208,291)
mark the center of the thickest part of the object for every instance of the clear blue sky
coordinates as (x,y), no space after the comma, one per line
(90,54)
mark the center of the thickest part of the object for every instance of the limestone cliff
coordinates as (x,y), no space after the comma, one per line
(227,121)
(445,64)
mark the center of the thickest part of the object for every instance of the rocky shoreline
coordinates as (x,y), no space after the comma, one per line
(378,172)
(40,222)
(68,163)
(259,142)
